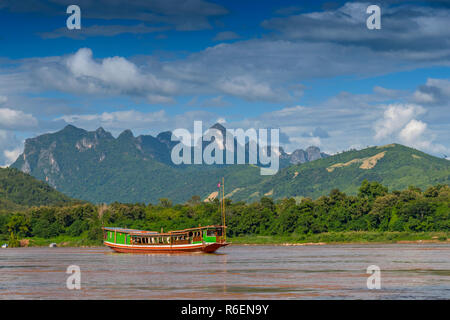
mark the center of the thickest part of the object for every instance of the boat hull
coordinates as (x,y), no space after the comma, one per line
(197,247)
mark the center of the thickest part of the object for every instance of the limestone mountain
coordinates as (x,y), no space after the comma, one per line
(95,166)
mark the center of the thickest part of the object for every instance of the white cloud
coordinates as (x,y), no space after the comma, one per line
(10,148)
(117,121)
(116,74)
(399,124)
(247,87)
(435,91)
(11,155)
(395,117)
(423,97)
(15,119)
(306,141)
(416,135)
(413,131)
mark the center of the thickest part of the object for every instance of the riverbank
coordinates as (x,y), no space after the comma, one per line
(359,237)
(349,237)
(61,241)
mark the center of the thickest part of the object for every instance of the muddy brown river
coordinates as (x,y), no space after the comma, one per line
(407,271)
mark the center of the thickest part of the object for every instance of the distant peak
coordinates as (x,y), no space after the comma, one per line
(126,134)
(164,136)
(102,133)
(218,126)
(72,128)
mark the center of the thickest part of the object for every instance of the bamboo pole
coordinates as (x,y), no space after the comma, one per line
(223,204)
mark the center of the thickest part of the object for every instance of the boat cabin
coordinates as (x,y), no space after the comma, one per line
(208,234)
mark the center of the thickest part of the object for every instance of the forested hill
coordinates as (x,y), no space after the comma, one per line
(395,166)
(19,190)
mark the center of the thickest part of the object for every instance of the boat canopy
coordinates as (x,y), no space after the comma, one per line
(135,232)
(124,230)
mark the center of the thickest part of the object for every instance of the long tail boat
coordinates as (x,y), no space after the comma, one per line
(201,239)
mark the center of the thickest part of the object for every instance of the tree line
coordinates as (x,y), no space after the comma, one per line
(374,208)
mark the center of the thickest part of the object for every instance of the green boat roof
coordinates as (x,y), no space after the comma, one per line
(124,230)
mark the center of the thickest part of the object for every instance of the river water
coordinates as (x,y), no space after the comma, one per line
(407,271)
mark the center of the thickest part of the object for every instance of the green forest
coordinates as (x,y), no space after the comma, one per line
(335,217)
(19,191)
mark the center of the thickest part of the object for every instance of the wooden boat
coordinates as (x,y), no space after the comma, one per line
(201,239)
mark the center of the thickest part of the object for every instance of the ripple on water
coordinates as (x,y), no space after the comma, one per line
(408,271)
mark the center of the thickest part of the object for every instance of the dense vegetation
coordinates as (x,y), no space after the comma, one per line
(19,190)
(373,209)
(396,167)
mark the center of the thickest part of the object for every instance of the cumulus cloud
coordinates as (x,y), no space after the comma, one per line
(423,97)
(412,31)
(395,117)
(16,120)
(79,73)
(12,155)
(435,91)
(399,123)
(413,131)
(115,73)
(10,148)
(246,87)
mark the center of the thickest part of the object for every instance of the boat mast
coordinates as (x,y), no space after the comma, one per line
(223,208)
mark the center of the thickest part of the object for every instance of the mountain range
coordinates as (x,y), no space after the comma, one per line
(97,167)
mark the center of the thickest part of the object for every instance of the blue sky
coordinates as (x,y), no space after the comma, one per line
(310,68)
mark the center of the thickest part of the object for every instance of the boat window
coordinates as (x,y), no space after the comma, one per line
(210,233)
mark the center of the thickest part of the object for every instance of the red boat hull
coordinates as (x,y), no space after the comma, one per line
(200,247)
